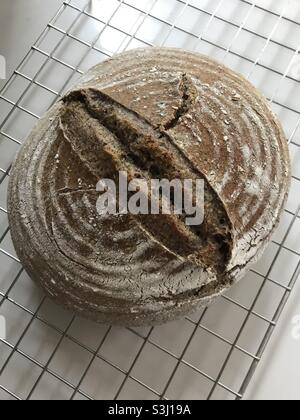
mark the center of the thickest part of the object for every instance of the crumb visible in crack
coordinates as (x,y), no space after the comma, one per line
(152,152)
(187,95)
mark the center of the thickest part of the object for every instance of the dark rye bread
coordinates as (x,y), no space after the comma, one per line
(154,113)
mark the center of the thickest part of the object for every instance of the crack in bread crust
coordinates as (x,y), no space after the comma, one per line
(150,153)
(188,95)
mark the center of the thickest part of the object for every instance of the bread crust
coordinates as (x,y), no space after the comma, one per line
(192,117)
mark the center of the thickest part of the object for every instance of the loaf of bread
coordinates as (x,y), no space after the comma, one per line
(154,113)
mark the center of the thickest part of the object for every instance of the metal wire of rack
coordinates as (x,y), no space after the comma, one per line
(51,354)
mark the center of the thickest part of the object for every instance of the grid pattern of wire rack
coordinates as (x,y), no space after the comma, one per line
(49,353)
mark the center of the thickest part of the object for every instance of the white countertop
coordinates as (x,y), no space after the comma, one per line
(278,374)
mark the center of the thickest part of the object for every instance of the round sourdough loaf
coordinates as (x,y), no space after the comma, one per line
(154,113)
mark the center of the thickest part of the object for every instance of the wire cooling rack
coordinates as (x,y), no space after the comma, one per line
(49,353)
